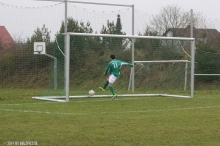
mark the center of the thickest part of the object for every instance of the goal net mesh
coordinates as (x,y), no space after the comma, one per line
(163,66)
(160,66)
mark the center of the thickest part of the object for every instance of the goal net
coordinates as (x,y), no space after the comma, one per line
(154,76)
(162,67)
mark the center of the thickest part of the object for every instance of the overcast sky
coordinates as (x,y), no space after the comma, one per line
(210,8)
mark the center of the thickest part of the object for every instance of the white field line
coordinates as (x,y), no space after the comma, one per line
(30,103)
(46,102)
(122,112)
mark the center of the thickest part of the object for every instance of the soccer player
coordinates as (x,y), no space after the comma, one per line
(113,68)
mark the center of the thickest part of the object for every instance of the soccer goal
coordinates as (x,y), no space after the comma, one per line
(161,67)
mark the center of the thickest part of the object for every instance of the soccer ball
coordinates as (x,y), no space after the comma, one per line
(91,92)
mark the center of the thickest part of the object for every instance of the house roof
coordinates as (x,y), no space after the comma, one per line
(197,32)
(5,37)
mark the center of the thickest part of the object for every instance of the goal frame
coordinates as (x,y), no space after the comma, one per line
(132,37)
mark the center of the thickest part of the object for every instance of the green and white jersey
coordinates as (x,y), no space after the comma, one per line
(114,67)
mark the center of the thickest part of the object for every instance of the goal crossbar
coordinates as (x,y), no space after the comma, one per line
(130,36)
(162,61)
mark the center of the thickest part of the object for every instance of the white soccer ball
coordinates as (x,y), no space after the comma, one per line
(91,92)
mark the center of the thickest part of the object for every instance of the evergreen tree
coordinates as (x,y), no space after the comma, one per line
(111,28)
(78,44)
(120,42)
(41,35)
(118,29)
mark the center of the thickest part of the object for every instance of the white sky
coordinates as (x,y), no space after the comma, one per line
(209,8)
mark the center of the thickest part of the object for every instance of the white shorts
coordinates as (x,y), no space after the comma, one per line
(112,79)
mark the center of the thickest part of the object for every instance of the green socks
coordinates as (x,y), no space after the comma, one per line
(110,87)
(105,85)
(112,90)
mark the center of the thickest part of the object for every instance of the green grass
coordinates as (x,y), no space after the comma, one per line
(133,121)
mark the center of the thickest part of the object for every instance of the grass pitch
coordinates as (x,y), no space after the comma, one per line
(101,121)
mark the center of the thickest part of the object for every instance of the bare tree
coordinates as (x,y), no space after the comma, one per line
(173,17)
(170,17)
(199,21)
